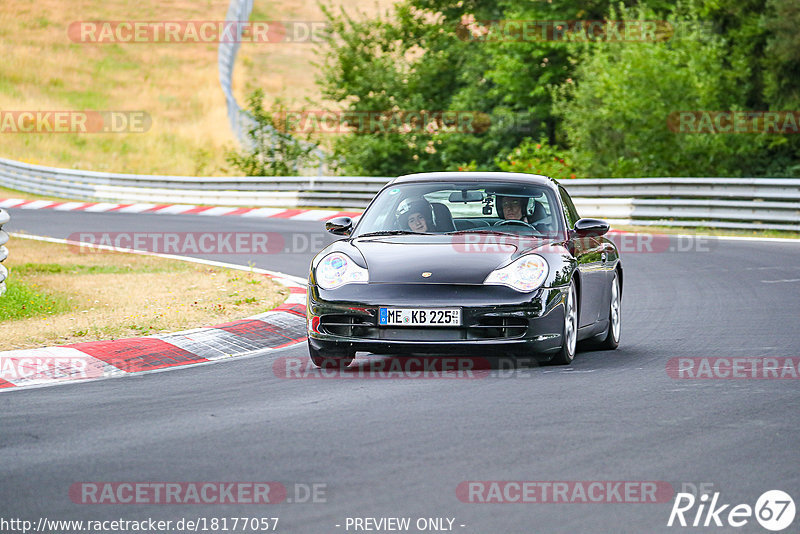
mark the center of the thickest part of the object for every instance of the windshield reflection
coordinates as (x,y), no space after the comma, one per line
(463,208)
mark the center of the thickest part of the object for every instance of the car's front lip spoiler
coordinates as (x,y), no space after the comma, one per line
(543,334)
(486,347)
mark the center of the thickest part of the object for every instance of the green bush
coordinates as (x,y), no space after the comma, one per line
(273,148)
(538,158)
(615,112)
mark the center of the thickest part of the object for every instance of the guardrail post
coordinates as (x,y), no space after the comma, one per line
(4,217)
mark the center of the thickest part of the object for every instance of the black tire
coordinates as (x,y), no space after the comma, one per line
(611,340)
(569,336)
(330,361)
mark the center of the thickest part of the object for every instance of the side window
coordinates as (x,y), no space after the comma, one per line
(569,208)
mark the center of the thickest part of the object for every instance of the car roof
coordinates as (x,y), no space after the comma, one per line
(476,177)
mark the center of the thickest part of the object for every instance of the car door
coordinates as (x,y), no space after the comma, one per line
(590,254)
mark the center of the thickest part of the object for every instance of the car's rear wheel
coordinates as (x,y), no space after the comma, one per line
(330,361)
(569,337)
(611,340)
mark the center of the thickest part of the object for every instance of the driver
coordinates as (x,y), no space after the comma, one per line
(513,208)
(416,215)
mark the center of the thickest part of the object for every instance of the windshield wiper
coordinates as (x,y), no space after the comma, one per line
(485,231)
(392,232)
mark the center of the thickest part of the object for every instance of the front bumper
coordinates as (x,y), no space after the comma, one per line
(496,320)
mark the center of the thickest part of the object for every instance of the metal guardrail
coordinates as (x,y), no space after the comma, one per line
(241,120)
(744,203)
(330,191)
(4,217)
(238,11)
(722,188)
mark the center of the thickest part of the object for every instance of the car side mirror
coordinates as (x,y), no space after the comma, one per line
(340,226)
(591,228)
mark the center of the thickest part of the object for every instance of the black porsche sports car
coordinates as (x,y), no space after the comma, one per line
(478,263)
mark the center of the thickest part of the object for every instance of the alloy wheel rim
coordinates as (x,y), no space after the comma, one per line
(570,329)
(615,310)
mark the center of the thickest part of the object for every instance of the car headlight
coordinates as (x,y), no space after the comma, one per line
(337,269)
(524,274)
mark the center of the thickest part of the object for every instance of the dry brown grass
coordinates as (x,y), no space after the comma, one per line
(136,295)
(177,84)
(288,70)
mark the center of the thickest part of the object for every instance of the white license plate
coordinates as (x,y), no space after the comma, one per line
(419,316)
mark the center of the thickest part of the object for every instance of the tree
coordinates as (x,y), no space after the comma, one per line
(781,63)
(616,113)
(413,62)
(273,149)
(607,102)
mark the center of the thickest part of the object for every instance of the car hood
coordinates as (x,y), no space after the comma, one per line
(451,259)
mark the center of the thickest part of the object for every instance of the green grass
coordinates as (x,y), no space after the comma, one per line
(27,269)
(84,98)
(8,87)
(22,301)
(57,295)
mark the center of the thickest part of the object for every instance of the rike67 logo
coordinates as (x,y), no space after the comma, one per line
(774,510)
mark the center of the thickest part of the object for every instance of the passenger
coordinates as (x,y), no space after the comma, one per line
(416,215)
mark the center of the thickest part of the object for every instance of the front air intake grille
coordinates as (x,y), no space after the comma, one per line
(345,325)
(500,327)
(364,327)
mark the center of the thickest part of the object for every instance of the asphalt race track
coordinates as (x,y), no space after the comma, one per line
(401,447)
(298,237)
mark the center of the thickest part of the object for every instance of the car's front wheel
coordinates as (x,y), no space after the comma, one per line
(330,361)
(569,337)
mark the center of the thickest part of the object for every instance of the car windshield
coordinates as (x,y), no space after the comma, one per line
(464,207)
